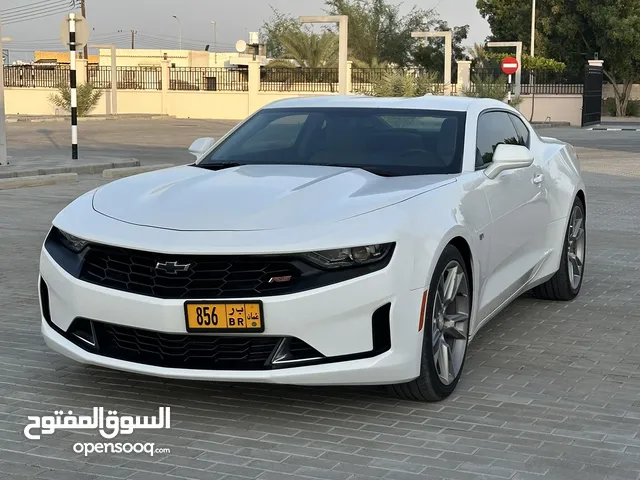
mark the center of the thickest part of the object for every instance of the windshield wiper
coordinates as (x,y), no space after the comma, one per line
(219,165)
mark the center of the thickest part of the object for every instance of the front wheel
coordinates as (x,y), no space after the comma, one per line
(446,331)
(567,282)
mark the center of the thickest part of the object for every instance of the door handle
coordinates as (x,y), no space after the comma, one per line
(537,179)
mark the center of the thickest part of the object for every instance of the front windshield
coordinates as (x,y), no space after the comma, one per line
(394,141)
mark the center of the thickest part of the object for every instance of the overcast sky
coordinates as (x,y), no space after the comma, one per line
(112,20)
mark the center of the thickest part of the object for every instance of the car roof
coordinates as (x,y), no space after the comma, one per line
(427,102)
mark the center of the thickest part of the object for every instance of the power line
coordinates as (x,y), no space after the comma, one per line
(41,14)
(36,5)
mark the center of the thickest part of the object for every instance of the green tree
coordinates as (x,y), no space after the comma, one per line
(573,32)
(610,28)
(274,29)
(510,21)
(378,30)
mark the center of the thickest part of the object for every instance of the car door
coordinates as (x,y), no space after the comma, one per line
(519,211)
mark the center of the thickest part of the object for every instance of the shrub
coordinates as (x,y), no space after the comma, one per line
(490,87)
(633,108)
(539,64)
(87,96)
(400,84)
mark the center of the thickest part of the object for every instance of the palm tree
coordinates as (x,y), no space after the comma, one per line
(311,50)
(478,54)
(317,55)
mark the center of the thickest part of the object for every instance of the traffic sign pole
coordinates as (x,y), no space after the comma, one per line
(72,85)
(74,33)
(509,66)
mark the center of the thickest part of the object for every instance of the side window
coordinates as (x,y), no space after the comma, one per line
(522,130)
(494,128)
(281,133)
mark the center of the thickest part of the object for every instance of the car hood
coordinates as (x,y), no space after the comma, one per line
(253,197)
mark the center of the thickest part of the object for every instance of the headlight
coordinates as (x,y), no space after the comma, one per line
(349,257)
(72,242)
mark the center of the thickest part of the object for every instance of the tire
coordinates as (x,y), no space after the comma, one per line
(429,387)
(560,287)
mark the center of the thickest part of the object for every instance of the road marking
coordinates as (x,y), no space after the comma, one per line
(615,129)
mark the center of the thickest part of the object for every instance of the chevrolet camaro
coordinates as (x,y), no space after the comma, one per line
(336,240)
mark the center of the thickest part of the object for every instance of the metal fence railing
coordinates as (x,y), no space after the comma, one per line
(44,76)
(128,78)
(208,78)
(294,79)
(540,83)
(281,79)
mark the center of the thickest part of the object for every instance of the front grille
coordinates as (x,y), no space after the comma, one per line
(206,352)
(207,276)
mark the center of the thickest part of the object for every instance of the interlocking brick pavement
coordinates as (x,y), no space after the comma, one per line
(550,390)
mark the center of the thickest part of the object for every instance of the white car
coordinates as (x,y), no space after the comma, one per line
(322,241)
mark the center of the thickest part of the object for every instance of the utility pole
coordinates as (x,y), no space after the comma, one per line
(83,10)
(133,39)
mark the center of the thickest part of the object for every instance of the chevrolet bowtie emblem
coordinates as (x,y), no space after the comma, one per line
(172,267)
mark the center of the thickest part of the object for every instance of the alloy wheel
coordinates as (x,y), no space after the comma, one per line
(576,247)
(450,322)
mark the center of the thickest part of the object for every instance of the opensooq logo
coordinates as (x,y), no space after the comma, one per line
(109,426)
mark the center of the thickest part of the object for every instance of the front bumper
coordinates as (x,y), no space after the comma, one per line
(341,322)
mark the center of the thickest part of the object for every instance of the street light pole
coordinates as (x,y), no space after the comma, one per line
(533,37)
(533,27)
(180,27)
(215,47)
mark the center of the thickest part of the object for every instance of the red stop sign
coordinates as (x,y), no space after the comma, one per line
(510,65)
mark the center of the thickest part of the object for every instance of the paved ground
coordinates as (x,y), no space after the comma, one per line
(167,140)
(150,141)
(550,390)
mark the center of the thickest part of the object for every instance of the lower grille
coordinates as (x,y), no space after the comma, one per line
(189,351)
(205,352)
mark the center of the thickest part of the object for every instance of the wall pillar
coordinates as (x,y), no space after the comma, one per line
(81,71)
(464,74)
(166,79)
(254,86)
(349,77)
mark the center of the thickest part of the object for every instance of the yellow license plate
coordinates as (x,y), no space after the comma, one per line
(224,316)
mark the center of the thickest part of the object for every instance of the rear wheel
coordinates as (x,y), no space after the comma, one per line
(446,331)
(566,283)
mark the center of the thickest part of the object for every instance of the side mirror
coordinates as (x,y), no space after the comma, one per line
(201,145)
(508,157)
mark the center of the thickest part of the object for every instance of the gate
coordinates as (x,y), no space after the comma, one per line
(592,95)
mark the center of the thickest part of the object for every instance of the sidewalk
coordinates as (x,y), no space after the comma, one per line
(56,164)
(88,118)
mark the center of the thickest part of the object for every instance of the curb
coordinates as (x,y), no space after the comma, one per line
(38,180)
(550,125)
(86,169)
(621,129)
(128,171)
(89,119)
